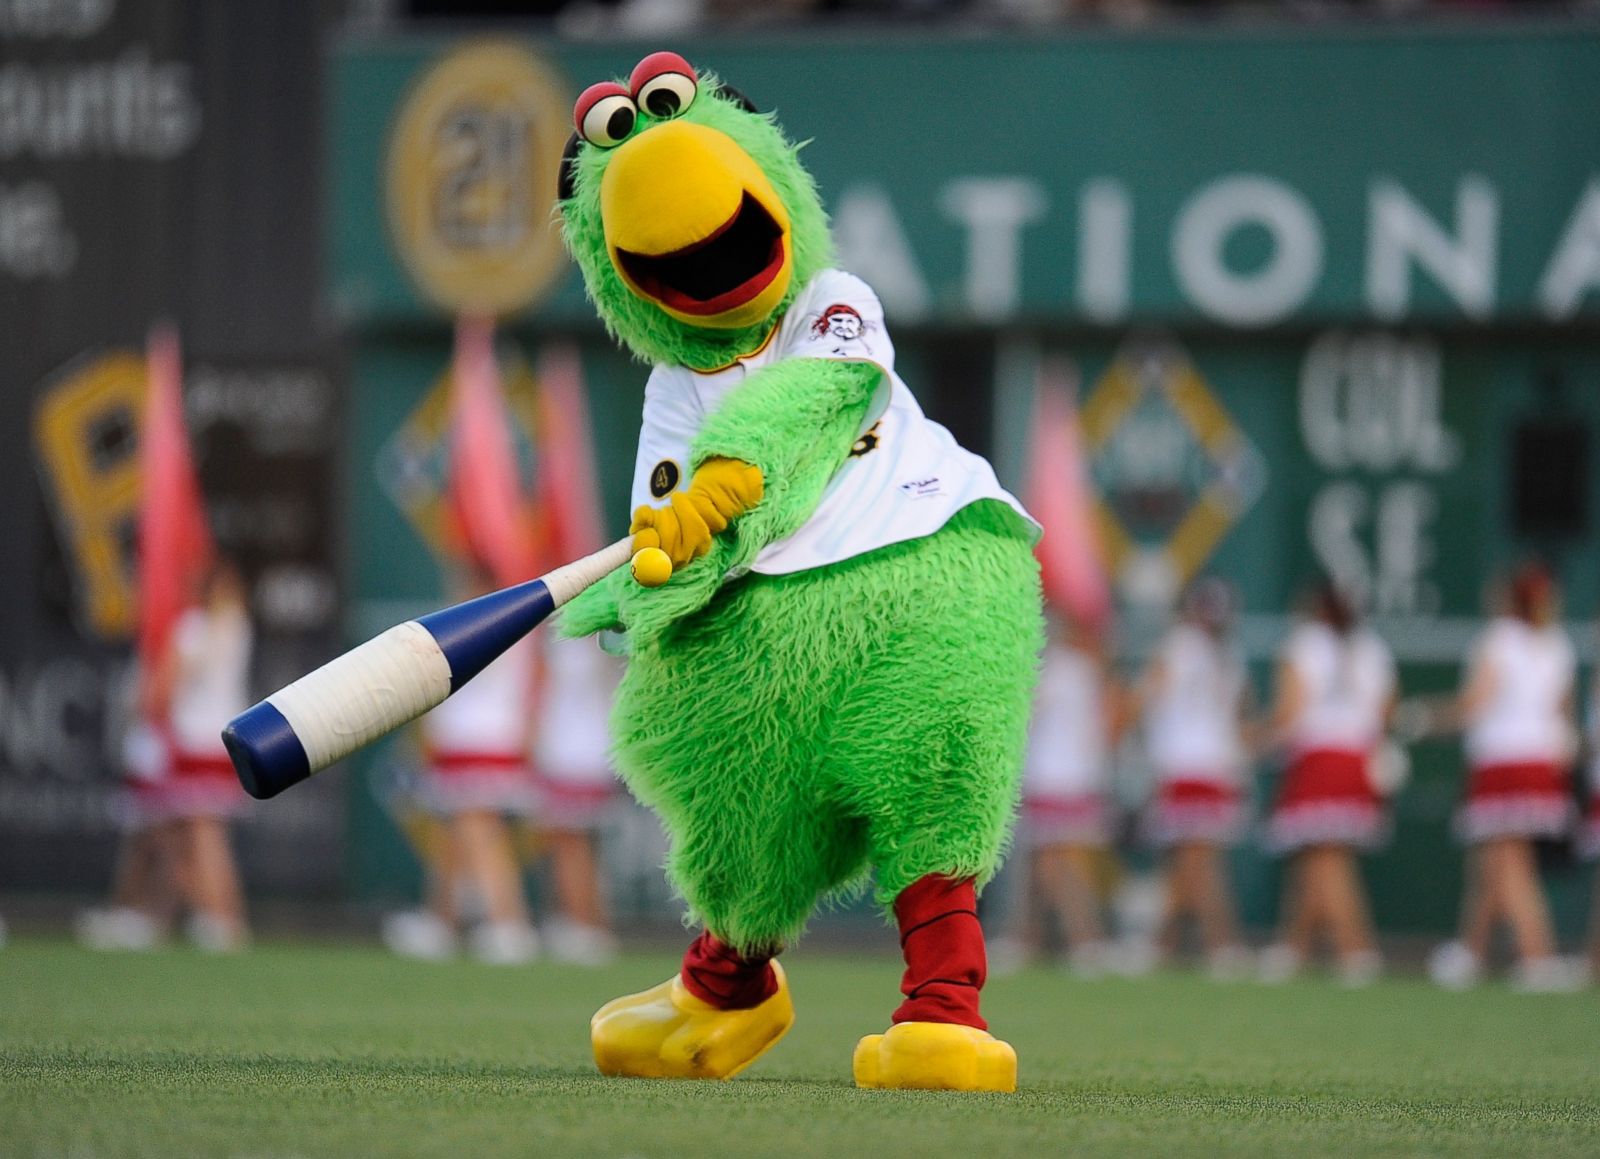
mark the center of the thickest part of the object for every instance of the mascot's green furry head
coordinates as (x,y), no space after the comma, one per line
(689,213)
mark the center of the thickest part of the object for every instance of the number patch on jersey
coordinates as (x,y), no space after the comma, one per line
(664,478)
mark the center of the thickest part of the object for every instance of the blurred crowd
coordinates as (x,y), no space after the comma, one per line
(607,18)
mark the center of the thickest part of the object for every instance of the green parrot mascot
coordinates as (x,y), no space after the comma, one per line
(835,680)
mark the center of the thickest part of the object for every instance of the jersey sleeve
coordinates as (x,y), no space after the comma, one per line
(841,319)
(672,418)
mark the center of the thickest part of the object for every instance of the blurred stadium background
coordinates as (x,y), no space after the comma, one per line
(1359,241)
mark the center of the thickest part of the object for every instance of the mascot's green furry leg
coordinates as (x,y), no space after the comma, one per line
(928,742)
(721,732)
(891,724)
(706,737)
(929,748)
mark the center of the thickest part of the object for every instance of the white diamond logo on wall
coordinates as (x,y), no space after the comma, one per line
(413,464)
(1173,471)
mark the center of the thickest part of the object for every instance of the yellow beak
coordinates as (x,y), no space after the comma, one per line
(693,225)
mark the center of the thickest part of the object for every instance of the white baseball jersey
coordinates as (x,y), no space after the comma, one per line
(212,685)
(1347,682)
(1067,735)
(1192,720)
(489,716)
(904,478)
(1524,719)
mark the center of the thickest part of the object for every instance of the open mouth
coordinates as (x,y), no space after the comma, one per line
(717,273)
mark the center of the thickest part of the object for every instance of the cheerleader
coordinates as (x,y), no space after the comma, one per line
(1517,710)
(475,773)
(576,786)
(428,931)
(1335,693)
(1192,697)
(199,685)
(142,898)
(1066,826)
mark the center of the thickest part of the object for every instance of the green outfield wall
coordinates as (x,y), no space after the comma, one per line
(1248,181)
(1368,263)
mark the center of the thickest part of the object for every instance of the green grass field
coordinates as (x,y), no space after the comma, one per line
(314,1050)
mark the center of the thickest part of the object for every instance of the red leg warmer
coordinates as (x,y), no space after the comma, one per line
(718,975)
(943,947)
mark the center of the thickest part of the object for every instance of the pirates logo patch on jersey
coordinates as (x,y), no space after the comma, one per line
(842,329)
(867,443)
(664,478)
(841,321)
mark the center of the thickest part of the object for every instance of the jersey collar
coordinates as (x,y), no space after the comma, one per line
(738,358)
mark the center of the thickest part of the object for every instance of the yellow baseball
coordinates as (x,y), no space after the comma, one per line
(652,567)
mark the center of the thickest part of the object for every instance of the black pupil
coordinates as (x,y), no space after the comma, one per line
(663,102)
(620,123)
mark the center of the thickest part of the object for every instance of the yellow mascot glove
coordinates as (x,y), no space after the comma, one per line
(720,492)
(724,489)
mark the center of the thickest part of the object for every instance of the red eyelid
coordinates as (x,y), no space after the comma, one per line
(655,65)
(592,96)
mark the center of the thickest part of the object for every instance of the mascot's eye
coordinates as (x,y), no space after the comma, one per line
(667,95)
(663,84)
(605,114)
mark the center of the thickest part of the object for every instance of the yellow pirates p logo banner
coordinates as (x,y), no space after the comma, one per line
(86,433)
(472,167)
(1173,471)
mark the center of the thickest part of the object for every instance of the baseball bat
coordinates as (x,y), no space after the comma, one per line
(395,677)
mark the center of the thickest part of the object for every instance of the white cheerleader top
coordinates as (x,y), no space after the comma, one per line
(1347,682)
(1524,719)
(1067,736)
(574,738)
(1191,722)
(490,714)
(904,478)
(213,679)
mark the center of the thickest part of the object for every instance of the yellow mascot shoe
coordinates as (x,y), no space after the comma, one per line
(935,1056)
(667,1033)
